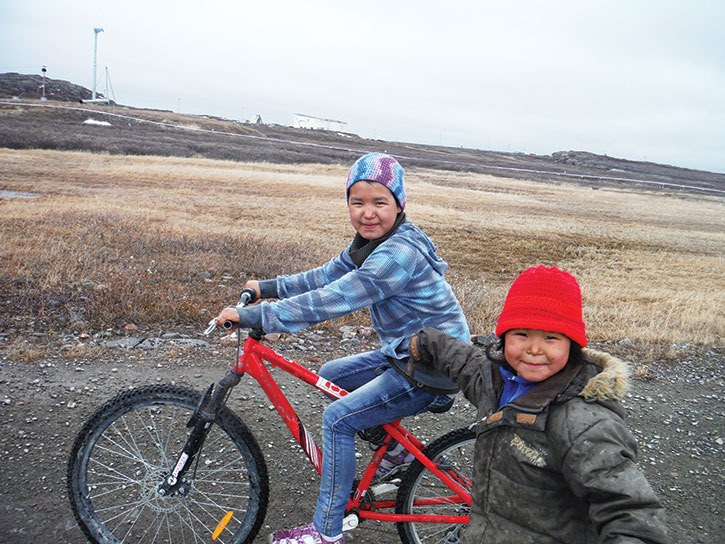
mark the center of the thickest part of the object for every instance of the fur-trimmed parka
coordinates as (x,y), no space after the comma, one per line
(556,465)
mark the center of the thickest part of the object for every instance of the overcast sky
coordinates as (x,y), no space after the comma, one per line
(641,80)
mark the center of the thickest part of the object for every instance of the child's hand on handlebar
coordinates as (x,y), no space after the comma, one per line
(254,286)
(228,315)
(242,315)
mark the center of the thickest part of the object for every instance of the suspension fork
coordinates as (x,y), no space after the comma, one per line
(200,424)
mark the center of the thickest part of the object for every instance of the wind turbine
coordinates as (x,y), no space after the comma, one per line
(96,30)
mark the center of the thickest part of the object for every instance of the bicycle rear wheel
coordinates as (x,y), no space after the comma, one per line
(422,492)
(121,455)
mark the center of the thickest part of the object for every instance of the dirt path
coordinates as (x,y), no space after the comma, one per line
(677,416)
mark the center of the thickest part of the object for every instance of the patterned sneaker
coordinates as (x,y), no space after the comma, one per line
(394,461)
(307,534)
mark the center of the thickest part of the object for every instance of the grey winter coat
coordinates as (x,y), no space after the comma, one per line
(556,465)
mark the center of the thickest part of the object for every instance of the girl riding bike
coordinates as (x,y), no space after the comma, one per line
(391,267)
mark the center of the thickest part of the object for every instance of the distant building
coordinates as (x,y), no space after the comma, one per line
(307,121)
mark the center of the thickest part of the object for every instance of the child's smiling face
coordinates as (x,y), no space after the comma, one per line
(373,209)
(536,355)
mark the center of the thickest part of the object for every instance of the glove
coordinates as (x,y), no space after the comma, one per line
(418,353)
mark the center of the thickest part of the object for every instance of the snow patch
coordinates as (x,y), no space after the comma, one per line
(97,123)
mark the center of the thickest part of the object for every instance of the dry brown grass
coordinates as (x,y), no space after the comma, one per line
(158,241)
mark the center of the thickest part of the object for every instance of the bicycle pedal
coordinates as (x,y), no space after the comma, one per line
(386,487)
(350,522)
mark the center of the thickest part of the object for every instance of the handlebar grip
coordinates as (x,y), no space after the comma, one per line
(248,296)
(228,325)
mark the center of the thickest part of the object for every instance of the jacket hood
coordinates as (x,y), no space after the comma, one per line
(408,232)
(611,383)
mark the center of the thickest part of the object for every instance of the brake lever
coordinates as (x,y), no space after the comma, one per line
(210,328)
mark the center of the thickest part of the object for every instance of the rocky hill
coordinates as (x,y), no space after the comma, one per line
(62,122)
(29,86)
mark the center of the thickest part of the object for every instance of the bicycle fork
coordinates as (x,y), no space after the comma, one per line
(200,424)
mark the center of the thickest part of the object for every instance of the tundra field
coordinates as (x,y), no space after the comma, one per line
(97,247)
(103,241)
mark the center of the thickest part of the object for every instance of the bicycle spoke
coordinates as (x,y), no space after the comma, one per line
(173,423)
(125,519)
(195,518)
(190,524)
(148,422)
(422,492)
(128,435)
(124,512)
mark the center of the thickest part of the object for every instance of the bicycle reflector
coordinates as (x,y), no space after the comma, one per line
(222,525)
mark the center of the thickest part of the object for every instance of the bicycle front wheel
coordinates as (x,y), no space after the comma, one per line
(129,444)
(422,492)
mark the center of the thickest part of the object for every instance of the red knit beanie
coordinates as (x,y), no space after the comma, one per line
(547,299)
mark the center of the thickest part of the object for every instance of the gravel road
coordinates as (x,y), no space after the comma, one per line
(676,415)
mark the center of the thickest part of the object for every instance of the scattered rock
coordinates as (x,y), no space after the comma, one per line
(676,416)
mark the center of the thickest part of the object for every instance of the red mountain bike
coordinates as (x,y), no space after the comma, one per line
(164,463)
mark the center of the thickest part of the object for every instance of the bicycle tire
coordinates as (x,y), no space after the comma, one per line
(122,453)
(453,450)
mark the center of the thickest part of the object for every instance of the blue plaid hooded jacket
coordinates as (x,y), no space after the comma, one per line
(401,282)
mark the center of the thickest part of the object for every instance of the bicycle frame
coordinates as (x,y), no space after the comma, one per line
(250,361)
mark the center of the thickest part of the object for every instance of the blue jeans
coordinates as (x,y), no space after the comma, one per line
(374,399)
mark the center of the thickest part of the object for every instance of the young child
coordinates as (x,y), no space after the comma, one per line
(554,460)
(391,267)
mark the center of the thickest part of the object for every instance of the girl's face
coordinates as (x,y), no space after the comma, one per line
(536,355)
(372,209)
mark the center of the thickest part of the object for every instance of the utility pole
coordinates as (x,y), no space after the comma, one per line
(43,69)
(95,53)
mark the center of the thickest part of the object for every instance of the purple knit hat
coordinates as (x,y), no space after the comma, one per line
(381,168)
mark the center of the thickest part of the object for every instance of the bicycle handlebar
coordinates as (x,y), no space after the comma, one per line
(248,296)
